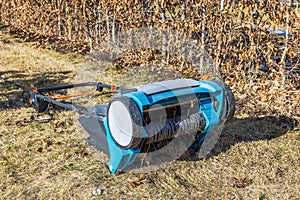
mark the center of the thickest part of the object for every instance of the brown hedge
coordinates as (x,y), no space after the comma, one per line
(251,59)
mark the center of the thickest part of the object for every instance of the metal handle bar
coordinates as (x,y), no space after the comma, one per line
(68,106)
(99,85)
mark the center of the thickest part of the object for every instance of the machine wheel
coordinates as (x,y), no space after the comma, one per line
(229,104)
(124,122)
(40,105)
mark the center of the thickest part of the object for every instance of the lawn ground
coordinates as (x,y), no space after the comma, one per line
(255,158)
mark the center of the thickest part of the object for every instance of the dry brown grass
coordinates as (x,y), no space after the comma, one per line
(52,160)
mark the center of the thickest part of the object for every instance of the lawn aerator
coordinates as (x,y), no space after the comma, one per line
(147,115)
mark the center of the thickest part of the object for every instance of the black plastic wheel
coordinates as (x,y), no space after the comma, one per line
(229,104)
(124,122)
(40,105)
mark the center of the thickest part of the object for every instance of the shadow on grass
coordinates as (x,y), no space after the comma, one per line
(252,129)
(16,85)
